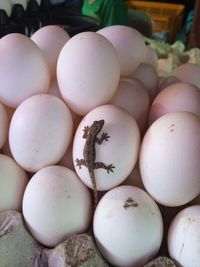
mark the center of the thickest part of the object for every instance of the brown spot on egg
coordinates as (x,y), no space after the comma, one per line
(171,127)
(130,203)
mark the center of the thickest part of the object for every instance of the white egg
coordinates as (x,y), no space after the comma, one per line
(133,97)
(183,237)
(55,205)
(189,73)
(118,154)
(169,159)
(88,71)
(23,69)
(4,124)
(40,132)
(128,227)
(129,44)
(148,76)
(13,181)
(51,39)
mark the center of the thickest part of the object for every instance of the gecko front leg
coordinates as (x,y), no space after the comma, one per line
(104,136)
(86,132)
(80,162)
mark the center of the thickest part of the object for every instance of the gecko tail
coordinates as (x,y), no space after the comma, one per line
(95,191)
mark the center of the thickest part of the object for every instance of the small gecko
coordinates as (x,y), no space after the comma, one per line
(89,153)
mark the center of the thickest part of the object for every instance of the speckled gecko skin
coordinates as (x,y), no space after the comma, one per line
(89,153)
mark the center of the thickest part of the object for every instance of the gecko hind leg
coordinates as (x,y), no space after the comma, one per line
(80,162)
(101,165)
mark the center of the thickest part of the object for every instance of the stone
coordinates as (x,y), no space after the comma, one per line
(161,262)
(17,247)
(76,251)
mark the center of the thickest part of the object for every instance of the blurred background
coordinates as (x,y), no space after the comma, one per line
(164,21)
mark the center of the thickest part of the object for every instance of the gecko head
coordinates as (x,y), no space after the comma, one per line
(98,125)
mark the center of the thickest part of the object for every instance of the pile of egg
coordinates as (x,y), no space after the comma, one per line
(52,89)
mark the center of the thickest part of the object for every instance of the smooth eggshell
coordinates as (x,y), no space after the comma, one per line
(183,237)
(129,44)
(121,150)
(176,97)
(148,76)
(4,124)
(169,159)
(51,39)
(88,71)
(40,132)
(189,73)
(133,97)
(23,69)
(55,205)
(13,181)
(128,227)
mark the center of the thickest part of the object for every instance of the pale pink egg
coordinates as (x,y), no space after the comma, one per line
(118,150)
(189,73)
(4,124)
(51,39)
(88,71)
(23,69)
(133,97)
(147,75)
(56,204)
(176,97)
(169,159)
(13,181)
(129,44)
(150,56)
(40,132)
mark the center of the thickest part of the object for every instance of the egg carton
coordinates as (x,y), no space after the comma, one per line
(27,19)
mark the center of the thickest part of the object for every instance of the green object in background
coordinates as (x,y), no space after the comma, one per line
(106,12)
